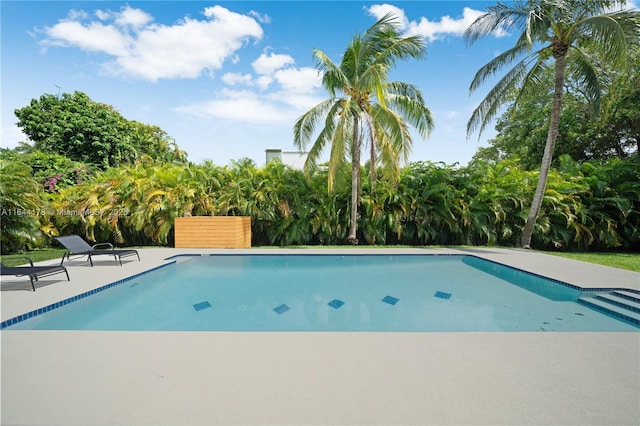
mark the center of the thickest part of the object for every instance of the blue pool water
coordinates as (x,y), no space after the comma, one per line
(331,293)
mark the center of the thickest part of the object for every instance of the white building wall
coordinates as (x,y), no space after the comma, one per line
(293,159)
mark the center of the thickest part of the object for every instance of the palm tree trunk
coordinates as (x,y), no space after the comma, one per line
(547,156)
(374,146)
(355,184)
(372,166)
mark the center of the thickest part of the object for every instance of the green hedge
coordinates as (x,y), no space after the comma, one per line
(589,206)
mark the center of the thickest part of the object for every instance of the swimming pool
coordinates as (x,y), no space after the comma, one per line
(411,293)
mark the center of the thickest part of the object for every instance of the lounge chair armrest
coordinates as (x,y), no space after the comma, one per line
(108,245)
(22,257)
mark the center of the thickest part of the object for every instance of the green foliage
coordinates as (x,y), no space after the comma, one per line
(35,256)
(587,206)
(614,133)
(92,133)
(552,40)
(431,203)
(52,171)
(138,204)
(153,142)
(21,207)
(552,32)
(497,195)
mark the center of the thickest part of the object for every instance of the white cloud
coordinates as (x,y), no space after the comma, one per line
(276,92)
(133,17)
(380,10)
(141,49)
(272,68)
(267,64)
(263,19)
(75,14)
(241,105)
(233,78)
(296,90)
(299,80)
(297,103)
(430,30)
(628,5)
(94,37)
(446,25)
(102,15)
(263,82)
(11,136)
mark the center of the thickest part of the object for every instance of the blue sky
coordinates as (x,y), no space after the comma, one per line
(228,79)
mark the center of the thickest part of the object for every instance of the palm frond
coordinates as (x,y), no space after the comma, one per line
(611,32)
(408,101)
(404,48)
(497,63)
(385,134)
(333,78)
(340,143)
(497,96)
(386,22)
(305,126)
(324,136)
(393,134)
(587,77)
(533,81)
(499,17)
(542,16)
(383,45)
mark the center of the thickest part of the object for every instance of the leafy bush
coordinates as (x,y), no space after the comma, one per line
(21,207)
(589,206)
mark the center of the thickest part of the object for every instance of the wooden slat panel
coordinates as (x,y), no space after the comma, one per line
(213,232)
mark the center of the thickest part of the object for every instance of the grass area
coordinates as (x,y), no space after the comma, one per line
(629,261)
(36,256)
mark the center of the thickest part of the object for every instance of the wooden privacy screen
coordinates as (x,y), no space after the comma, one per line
(213,232)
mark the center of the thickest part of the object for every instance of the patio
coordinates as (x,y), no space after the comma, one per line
(191,378)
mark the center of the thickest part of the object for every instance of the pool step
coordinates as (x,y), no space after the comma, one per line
(624,306)
(634,297)
(623,302)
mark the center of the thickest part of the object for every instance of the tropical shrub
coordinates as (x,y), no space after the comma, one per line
(495,198)
(138,204)
(22,206)
(612,203)
(53,171)
(588,206)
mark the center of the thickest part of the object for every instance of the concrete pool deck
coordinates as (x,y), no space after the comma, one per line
(207,378)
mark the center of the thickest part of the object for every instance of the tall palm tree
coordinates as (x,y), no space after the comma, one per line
(554,34)
(365,107)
